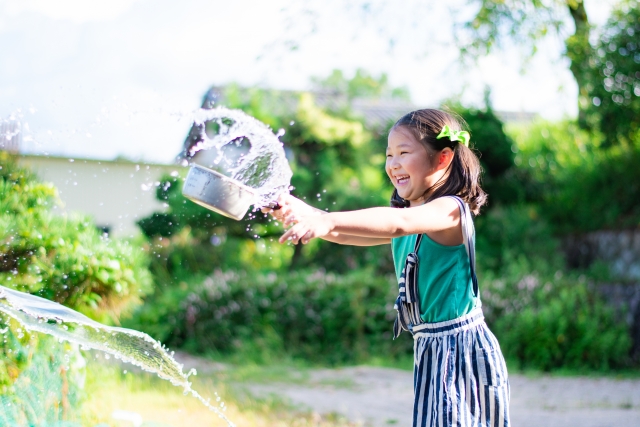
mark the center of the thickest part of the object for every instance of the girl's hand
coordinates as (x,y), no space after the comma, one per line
(291,208)
(307,228)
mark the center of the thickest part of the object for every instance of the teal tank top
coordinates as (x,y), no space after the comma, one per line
(445,288)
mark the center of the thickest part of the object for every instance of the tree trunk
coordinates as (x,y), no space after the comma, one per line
(579,51)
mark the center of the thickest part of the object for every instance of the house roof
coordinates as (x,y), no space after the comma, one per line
(376,113)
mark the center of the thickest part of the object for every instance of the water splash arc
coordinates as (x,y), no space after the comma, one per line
(40,315)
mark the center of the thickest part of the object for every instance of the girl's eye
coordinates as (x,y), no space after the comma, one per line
(404,152)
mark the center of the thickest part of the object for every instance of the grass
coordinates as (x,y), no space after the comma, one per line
(110,391)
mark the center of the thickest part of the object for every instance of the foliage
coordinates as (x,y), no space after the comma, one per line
(543,317)
(67,260)
(545,180)
(551,321)
(64,259)
(501,179)
(41,380)
(361,85)
(563,324)
(308,314)
(579,186)
(614,84)
(516,237)
(524,23)
(495,22)
(328,151)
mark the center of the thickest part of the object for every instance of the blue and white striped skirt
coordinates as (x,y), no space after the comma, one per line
(460,378)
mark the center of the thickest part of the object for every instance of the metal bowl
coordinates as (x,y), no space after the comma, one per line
(218,192)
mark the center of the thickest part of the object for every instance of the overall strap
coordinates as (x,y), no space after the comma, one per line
(407,303)
(469,238)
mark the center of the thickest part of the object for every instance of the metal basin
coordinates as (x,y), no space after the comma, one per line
(218,192)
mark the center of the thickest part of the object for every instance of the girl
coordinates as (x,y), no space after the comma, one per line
(460,378)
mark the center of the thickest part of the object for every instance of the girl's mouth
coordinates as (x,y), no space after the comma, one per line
(403,179)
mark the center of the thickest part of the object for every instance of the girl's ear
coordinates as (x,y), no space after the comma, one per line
(445,157)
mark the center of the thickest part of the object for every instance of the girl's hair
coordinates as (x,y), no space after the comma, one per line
(464,171)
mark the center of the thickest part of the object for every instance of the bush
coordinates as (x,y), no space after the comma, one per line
(544,318)
(310,314)
(64,259)
(41,380)
(562,323)
(519,236)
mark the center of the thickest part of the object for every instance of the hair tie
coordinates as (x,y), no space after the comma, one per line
(455,135)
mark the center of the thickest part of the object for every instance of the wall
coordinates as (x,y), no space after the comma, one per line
(115,193)
(620,250)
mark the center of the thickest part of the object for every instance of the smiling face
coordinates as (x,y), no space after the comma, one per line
(409,166)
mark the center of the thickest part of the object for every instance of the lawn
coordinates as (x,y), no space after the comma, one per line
(118,397)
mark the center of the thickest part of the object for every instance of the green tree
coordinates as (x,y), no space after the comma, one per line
(502,181)
(525,22)
(483,26)
(361,85)
(614,79)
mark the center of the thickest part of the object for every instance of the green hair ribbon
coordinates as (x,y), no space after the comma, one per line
(455,135)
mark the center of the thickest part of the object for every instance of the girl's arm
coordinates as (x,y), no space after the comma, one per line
(440,219)
(345,239)
(292,209)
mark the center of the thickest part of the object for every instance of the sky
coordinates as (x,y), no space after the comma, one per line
(108,78)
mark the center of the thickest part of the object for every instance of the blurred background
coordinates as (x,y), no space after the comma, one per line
(97,101)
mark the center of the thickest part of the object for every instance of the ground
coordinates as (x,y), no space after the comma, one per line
(378,397)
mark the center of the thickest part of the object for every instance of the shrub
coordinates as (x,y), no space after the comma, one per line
(544,318)
(41,380)
(562,322)
(309,314)
(64,259)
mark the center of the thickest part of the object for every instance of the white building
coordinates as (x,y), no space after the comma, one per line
(116,193)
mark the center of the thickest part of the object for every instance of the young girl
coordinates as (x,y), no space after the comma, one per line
(460,378)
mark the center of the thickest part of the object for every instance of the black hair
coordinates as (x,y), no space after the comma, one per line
(463,179)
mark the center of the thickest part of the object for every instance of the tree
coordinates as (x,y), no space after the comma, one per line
(361,85)
(525,22)
(614,77)
(495,148)
(483,26)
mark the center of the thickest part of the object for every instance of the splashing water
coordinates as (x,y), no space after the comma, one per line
(44,316)
(241,147)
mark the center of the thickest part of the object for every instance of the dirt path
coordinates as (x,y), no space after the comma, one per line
(379,397)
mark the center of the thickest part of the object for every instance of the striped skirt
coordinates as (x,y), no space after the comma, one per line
(460,378)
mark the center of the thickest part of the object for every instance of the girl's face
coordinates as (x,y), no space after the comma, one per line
(410,167)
